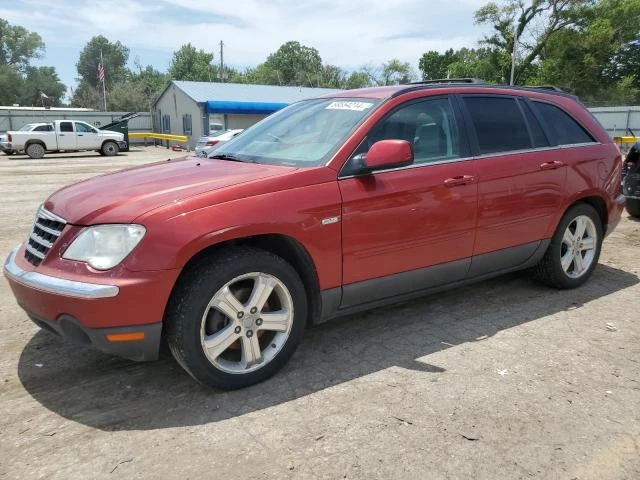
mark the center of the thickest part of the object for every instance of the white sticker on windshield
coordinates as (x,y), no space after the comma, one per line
(355,106)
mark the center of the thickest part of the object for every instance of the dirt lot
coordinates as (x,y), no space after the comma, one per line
(505,379)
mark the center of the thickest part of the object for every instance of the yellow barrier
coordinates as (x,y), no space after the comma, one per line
(159,136)
(626,139)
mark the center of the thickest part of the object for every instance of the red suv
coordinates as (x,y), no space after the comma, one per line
(330,206)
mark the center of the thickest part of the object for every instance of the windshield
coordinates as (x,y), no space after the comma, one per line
(304,134)
(26,128)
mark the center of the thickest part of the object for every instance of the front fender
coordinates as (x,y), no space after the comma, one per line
(295,213)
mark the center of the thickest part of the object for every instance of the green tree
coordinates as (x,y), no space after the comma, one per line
(534,23)
(18,46)
(11,85)
(434,65)
(262,75)
(332,77)
(393,72)
(481,63)
(127,96)
(115,56)
(41,80)
(188,63)
(87,96)
(291,64)
(20,83)
(150,83)
(596,59)
(359,79)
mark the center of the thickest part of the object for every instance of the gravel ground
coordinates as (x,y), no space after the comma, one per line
(504,379)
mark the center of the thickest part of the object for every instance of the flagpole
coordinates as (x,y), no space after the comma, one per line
(104,76)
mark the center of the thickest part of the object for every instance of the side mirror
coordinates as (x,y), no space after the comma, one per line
(389,154)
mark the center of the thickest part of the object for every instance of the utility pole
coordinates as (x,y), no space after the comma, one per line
(221,61)
(514,53)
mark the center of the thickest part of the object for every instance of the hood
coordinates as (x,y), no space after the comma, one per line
(122,196)
(110,132)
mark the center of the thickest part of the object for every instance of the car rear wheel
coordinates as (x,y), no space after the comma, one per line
(236,318)
(110,149)
(35,150)
(574,249)
(633,207)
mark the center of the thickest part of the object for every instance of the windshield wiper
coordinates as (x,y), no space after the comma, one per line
(226,156)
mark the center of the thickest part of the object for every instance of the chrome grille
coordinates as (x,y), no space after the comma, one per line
(46,230)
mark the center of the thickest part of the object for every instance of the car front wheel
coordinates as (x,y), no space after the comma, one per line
(236,318)
(110,149)
(574,249)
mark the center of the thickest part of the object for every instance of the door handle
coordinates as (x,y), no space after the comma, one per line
(61,134)
(459,180)
(551,165)
(80,135)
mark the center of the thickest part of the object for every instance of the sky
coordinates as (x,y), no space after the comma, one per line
(347,33)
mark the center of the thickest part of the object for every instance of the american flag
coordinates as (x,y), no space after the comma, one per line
(101,72)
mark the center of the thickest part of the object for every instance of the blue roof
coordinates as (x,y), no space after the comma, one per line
(203,92)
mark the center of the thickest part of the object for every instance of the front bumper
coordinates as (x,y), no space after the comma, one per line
(55,285)
(140,343)
(122,318)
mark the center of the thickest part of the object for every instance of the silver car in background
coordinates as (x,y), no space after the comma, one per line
(213,141)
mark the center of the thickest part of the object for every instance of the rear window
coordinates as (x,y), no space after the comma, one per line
(565,130)
(499,124)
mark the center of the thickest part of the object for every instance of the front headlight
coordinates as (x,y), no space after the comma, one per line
(104,246)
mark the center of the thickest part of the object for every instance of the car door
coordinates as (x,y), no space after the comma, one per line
(411,228)
(87,136)
(67,137)
(521,181)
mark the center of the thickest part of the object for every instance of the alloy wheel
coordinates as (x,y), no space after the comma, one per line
(246,323)
(578,248)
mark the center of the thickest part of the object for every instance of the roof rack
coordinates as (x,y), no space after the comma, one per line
(471,82)
(545,87)
(448,80)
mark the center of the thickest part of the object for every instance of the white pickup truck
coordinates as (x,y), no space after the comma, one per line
(62,135)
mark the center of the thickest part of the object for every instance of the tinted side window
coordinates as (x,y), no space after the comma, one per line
(429,126)
(564,128)
(499,124)
(537,133)
(42,128)
(66,127)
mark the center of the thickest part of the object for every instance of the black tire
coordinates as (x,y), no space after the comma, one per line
(633,207)
(109,149)
(189,303)
(549,271)
(35,150)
